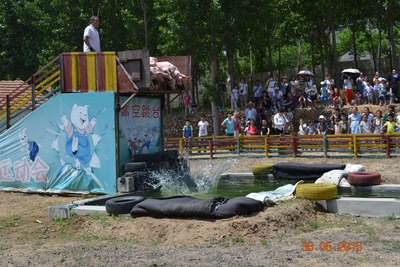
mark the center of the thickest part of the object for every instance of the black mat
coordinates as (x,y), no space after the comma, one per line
(300,171)
(190,207)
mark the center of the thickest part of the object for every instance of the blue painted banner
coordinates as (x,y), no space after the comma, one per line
(139,127)
(65,145)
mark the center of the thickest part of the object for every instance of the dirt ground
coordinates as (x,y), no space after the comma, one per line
(292,232)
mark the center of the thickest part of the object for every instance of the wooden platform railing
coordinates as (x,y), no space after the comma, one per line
(356,145)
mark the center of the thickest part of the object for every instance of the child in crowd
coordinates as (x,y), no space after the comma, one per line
(194,108)
(365,125)
(324,94)
(334,119)
(302,101)
(267,102)
(390,126)
(358,98)
(290,118)
(322,126)
(343,124)
(187,133)
(203,128)
(236,124)
(336,128)
(378,122)
(187,130)
(265,128)
(383,93)
(187,99)
(302,127)
(260,112)
(330,96)
(311,128)
(369,93)
(312,95)
(376,90)
(288,101)
(278,96)
(272,117)
(392,97)
(337,100)
(251,129)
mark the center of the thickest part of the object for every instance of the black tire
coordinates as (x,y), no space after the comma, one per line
(122,205)
(135,166)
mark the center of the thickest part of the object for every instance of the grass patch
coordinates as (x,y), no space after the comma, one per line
(315,224)
(158,241)
(396,246)
(10,222)
(392,219)
(90,237)
(389,244)
(265,243)
(62,223)
(333,224)
(359,226)
(233,240)
(4,246)
(102,218)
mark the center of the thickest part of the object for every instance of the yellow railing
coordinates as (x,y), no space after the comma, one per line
(27,96)
(357,145)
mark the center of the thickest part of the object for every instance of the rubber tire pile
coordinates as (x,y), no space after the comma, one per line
(316,191)
(142,166)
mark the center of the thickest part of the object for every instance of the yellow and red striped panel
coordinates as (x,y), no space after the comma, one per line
(86,72)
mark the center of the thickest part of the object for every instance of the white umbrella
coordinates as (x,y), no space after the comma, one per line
(305,73)
(354,71)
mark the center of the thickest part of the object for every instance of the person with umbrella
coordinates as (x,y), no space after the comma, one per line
(348,89)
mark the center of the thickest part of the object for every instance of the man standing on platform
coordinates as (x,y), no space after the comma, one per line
(91,38)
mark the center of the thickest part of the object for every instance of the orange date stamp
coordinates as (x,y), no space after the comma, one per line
(328,247)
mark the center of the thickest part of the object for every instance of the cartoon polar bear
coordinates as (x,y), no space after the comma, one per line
(78,131)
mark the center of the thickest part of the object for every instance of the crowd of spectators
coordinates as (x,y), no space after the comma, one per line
(272,105)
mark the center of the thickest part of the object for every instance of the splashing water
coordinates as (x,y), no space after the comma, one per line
(203,177)
(207,175)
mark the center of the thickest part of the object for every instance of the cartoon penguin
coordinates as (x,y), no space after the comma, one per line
(29,145)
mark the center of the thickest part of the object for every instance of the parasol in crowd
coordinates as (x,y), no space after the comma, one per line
(305,73)
(351,71)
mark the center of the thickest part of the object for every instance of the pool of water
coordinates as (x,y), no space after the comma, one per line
(212,181)
(224,188)
(230,187)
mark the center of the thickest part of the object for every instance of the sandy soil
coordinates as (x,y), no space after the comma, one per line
(279,235)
